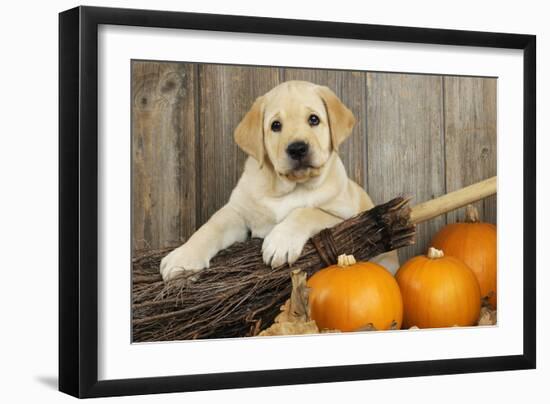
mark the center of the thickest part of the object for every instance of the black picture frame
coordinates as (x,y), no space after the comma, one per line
(78,200)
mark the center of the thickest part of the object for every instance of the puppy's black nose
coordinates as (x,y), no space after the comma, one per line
(297,150)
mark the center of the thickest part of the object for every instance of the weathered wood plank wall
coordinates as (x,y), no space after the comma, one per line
(416,135)
(470,137)
(405,143)
(163,148)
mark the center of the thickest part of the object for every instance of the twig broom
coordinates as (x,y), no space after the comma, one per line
(239,295)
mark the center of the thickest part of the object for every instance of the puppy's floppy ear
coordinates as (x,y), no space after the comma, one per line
(341,119)
(249,134)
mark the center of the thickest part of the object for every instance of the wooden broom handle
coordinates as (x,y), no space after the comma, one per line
(453,200)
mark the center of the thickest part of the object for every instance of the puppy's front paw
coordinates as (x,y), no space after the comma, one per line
(284,244)
(183,262)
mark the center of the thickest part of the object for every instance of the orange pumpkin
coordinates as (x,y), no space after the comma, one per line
(438,291)
(351,295)
(474,243)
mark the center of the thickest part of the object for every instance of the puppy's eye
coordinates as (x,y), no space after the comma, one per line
(314,120)
(276,126)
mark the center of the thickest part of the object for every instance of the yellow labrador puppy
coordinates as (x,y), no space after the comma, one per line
(293,184)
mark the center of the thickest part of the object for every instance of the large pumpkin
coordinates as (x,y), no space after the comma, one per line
(474,243)
(438,291)
(351,295)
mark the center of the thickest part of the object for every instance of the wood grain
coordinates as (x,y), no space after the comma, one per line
(163,164)
(351,88)
(470,138)
(405,144)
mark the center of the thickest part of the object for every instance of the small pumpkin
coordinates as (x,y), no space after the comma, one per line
(354,295)
(438,291)
(474,243)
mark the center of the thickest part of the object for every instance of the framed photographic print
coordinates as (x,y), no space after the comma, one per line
(240,194)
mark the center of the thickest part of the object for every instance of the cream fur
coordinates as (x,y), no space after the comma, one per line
(273,200)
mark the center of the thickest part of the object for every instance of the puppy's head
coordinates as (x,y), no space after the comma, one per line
(295,126)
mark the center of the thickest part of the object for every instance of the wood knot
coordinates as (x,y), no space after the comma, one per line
(171,87)
(144,97)
(168,86)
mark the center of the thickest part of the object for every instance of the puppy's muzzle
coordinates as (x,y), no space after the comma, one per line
(297,150)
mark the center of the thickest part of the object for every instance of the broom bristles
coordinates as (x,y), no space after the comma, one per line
(239,295)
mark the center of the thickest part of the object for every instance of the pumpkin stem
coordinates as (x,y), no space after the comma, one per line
(472,215)
(346,260)
(435,253)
